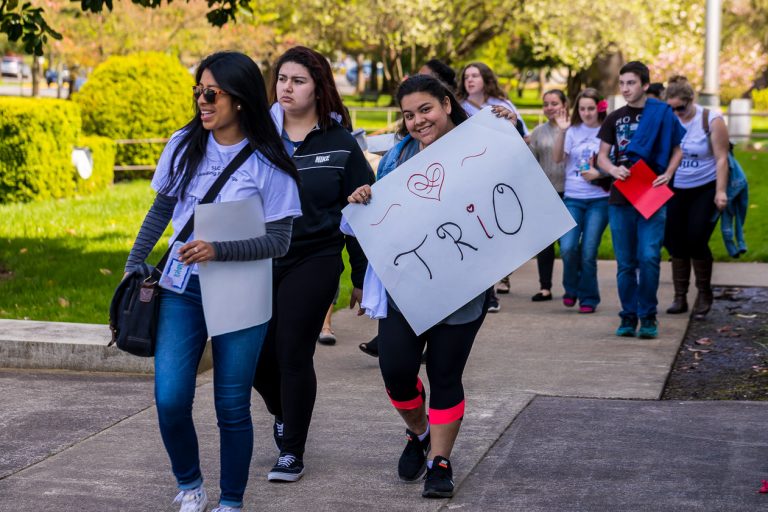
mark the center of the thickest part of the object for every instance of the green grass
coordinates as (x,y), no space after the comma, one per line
(755,165)
(66,256)
(61,259)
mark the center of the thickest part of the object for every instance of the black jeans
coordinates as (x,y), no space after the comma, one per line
(691,218)
(285,376)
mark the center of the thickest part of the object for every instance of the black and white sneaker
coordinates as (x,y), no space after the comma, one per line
(277,432)
(439,480)
(287,469)
(413,461)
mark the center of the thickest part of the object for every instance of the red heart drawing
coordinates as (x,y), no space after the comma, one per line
(471,208)
(429,184)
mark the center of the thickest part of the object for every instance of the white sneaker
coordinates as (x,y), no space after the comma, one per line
(224,508)
(192,500)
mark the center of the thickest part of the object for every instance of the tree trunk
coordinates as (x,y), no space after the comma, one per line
(360,85)
(35,76)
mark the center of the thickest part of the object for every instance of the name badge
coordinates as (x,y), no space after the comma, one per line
(175,274)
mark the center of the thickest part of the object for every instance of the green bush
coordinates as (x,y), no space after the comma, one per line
(139,96)
(103,152)
(760,100)
(36,141)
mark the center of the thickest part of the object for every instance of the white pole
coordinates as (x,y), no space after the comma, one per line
(710,94)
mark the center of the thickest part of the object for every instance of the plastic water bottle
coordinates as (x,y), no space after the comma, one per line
(584,160)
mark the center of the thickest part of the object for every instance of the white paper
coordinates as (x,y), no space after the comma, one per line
(457,217)
(236,294)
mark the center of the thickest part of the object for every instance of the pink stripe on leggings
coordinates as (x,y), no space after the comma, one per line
(410,404)
(442,416)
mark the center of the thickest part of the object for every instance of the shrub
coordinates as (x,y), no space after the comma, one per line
(139,96)
(36,141)
(760,100)
(103,153)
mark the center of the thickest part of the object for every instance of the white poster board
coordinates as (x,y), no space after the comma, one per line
(236,294)
(457,217)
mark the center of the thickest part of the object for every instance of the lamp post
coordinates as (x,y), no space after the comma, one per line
(710,93)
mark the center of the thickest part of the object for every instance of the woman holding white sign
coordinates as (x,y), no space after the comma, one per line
(429,111)
(231,124)
(586,199)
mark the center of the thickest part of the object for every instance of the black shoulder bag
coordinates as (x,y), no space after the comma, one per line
(133,313)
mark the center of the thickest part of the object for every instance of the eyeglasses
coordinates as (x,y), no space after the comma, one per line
(209,93)
(681,108)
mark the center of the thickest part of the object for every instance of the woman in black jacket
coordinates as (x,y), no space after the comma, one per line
(314,126)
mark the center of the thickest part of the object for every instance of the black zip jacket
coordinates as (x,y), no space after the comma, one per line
(332,166)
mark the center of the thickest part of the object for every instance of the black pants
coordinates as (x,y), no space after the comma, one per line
(285,376)
(691,218)
(448,348)
(545,261)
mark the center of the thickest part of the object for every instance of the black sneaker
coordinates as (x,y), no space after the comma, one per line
(439,480)
(277,433)
(413,461)
(287,469)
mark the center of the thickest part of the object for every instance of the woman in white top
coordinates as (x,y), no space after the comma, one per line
(231,115)
(700,194)
(587,201)
(479,88)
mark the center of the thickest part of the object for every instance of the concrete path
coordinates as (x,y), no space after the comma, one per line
(539,433)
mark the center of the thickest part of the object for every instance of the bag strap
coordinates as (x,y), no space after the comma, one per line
(705,121)
(235,164)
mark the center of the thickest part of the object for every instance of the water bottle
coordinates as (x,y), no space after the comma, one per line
(584,160)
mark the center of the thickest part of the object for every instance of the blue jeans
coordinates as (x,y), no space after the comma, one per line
(181,337)
(578,248)
(637,246)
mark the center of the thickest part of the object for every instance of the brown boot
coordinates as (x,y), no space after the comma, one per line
(681,278)
(702,269)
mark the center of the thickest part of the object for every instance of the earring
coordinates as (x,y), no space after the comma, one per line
(238,107)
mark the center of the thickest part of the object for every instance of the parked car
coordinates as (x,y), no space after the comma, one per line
(11,66)
(351,74)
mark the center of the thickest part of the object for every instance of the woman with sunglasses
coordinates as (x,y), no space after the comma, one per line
(577,144)
(314,126)
(699,185)
(429,111)
(231,113)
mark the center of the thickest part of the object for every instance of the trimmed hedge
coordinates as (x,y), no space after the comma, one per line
(760,99)
(103,151)
(139,96)
(36,141)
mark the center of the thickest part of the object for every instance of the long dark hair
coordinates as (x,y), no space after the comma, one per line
(240,77)
(491,86)
(328,99)
(436,89)
(593,95)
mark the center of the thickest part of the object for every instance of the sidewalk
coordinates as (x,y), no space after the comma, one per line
(561,415)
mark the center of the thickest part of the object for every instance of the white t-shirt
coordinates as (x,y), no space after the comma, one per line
(471,110)
(698,166)
(257,176)
(581,142)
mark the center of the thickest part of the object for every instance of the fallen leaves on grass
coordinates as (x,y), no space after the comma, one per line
(23,250)
(63,302)
(703,341)
(105,271)
(699,350)
(742,315)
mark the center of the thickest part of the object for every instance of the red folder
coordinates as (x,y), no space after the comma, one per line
(639,190)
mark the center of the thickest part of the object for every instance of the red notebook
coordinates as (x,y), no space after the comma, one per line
(639,190)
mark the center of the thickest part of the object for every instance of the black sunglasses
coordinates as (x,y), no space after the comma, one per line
(680,108)
(209,94)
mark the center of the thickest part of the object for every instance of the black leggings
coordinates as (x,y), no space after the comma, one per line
(448,348)
(285,376)
(545,261)
(691,218)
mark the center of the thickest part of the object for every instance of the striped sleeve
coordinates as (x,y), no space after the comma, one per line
(157,219)
(271,245)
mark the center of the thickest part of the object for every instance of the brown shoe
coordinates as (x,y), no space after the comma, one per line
(702,269)
(681,277)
